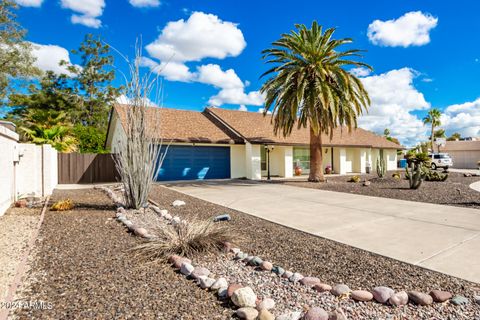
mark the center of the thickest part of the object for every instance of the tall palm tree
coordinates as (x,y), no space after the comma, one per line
(309,87)
(433,118)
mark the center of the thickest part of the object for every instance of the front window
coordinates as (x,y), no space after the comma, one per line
(301,158)
(263,158)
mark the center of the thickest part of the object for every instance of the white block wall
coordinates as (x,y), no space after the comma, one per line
(8,143)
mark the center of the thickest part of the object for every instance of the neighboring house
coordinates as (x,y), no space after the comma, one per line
(219,143)
(465,154)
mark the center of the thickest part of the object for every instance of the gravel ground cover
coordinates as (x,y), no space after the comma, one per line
(332,262)
(455,191)
(84,268)
(16,227)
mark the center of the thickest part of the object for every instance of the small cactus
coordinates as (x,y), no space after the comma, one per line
(381,167)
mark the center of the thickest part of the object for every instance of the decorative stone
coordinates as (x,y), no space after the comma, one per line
(241,255)
(399,299)
(477,299)
(200,271)
(309,281)
(340,289)
(382,294)
(266,303)
(322,287)
(186,269)
(244,297)
(247,313)
(176,220)
(256,261)
(361,295)
(295,315)
(222,292)
(459,300)
(420,298)
(295,277)
(177,261)
(205,282)
(233,250)
(247,259)
(278,270)
(264,314)
(316,314)
(168,216)
(178,203)
(337,314)
(440,296)
(267,266)
(222,217)
(128,224)
(287,274)
(220,283)
(21,203)
(141,232)
(231,288)
(163,212)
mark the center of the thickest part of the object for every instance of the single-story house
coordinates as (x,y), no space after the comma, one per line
(465,154)
(221,144)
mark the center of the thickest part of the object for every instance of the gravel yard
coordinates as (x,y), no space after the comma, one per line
(16,228)
(455,191)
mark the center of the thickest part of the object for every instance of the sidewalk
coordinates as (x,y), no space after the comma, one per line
(437,237)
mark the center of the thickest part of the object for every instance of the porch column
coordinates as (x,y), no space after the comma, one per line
(288,166)
(253,161)
(339,160)
(363,160)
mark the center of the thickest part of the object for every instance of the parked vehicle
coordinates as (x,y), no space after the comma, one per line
(441,160)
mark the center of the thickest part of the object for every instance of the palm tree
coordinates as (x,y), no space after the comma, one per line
(309,87)
(433,118)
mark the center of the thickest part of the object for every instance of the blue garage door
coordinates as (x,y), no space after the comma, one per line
(195,163)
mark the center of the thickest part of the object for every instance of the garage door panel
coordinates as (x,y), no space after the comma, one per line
(195,163)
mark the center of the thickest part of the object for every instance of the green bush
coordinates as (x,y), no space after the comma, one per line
(430,175)
(354,179)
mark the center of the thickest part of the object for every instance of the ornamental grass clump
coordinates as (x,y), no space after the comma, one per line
(186,239)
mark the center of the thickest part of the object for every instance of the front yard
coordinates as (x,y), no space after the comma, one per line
(455,191)
(84,267)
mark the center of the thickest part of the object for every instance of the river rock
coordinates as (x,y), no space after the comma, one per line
(222,292)
(382,294)
(231,288)
(220,283)
(440,296)
(287,274)
(420,298)
(205,282)
(361,295)
(267,266)
(141,232)
(178,203)
(244,297)
(186,269)
(295,277)
(316,314)
(322,287)
(309,281)
(340,289)
(279,271)
(177,261)
(266,303)
(399,299)
(255,261)
(200,271)
(337,314)
(264,314)
(295,315)
(459,300)
(247,313)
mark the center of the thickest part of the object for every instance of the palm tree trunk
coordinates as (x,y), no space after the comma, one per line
(316,158)
(431,138)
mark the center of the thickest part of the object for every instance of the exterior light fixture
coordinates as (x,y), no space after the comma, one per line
(268,149)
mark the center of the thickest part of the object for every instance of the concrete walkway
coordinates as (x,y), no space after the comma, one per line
(441,238)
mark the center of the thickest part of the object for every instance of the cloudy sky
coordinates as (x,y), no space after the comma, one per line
(425,53)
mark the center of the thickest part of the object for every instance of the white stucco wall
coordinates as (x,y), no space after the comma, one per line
(281,161)
(253,161)
(237,161)
(339,160)
(390,159)
(8,143)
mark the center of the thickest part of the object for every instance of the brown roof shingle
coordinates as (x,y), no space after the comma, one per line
(183,126)
(256,128)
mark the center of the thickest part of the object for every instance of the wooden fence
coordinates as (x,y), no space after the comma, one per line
(86,168)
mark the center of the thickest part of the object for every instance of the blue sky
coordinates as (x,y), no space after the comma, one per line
(424,53)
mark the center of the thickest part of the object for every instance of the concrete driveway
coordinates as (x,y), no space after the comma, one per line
(437,237)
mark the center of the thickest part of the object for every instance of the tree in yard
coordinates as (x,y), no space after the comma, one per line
(386,134)
(139,155)
(433,118)
(309,87)
(455,136)
(16,60)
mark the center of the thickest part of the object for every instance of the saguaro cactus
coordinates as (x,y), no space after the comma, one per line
(381,167)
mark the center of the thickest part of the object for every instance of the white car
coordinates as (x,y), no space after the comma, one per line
(441,160)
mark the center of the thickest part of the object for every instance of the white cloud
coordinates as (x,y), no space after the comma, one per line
(463,118)
(123,99)
(242,108)
(29,3)
(214,75)
(172,71)
(360,72)
(261,110)
(145,3)
(411,29)
(88,11)
(237,96)
(393,99)
(201,36)
(49,56)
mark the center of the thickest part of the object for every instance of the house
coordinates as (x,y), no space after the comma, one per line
(219,143)
(465,154)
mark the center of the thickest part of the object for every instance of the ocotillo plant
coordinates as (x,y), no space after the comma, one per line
(381,167)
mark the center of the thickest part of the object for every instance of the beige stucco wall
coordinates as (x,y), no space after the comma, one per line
(253,161)
(465,159)
(237,161)
(281,161)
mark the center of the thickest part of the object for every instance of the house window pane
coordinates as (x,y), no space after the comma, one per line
(301,158)
(263,158)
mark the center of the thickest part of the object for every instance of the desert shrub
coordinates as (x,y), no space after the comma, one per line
(430,175)
(186,239)
(414,171)
(62,205)
(354,179)
(396,175)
